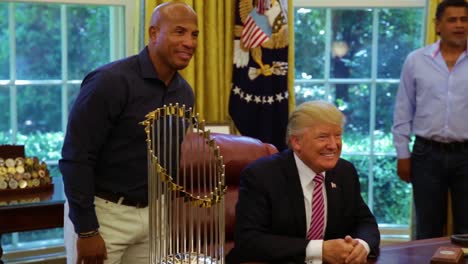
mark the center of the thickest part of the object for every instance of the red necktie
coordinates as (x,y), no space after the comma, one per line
(318,210)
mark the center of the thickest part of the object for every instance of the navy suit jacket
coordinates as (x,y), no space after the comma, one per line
(270,213)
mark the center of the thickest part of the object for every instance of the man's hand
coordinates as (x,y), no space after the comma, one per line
(359,253)
(91,250)
(404,169)
(336,250)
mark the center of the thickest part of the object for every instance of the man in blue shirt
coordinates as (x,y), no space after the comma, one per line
(432,104)
(104,157)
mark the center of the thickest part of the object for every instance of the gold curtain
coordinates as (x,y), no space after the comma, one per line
(292,98)
(136,33)
(211,81)
(431,37)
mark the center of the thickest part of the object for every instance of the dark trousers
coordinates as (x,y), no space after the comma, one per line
(437,168)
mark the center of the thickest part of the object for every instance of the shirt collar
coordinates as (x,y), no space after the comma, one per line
(306,174)
(434,49)
(148,71)
(147,68)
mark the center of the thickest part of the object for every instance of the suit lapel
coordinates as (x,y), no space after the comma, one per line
(333,188)
(295,193)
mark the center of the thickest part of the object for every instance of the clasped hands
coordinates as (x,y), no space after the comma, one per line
(347,250)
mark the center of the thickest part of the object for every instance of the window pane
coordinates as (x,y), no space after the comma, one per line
(32,239)
(309,43)
(399,34)
(4,43)
(362,166)
(6,238)
(308,92)
(39,109)
(54,170)
(392,197)
(88,38)
(38,235)
(73,91)
(354,100)
(5,133)
(44,145)
(385,101)
(38,41)
(351,43)
(39,126)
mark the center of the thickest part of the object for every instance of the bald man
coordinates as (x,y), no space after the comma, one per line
(104,156)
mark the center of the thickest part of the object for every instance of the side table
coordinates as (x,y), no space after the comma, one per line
(27,212)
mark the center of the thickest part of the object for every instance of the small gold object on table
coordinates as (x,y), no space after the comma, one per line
(20,174)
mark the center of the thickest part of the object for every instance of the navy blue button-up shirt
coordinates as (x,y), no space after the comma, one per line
(105,146)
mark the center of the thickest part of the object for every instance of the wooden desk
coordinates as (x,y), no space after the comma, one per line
(32,211)
(413,252)
(417,251)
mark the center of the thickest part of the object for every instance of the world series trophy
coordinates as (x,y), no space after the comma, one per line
(186,188)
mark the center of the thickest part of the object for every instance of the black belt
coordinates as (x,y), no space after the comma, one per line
(452,146)
(120,199)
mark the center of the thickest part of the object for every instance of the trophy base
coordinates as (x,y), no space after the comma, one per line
(188,258)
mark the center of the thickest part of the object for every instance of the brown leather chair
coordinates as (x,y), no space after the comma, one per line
(237,152)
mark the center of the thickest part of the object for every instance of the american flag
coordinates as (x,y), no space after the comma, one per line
(256,30)
(258,105)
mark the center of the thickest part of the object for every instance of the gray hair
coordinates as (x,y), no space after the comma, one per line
(312,113)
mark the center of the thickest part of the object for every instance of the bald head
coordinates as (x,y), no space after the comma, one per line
(164,11)
(173,35)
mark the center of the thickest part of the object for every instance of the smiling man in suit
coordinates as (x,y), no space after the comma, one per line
(304,204)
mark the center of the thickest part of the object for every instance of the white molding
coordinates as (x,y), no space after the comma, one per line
(359,3)
(130,27)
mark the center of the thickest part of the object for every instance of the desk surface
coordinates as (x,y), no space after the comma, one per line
(417,251)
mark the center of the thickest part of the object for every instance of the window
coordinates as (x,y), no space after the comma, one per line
(351,53)
(45,51)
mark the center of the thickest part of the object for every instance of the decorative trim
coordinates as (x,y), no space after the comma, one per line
(260,99)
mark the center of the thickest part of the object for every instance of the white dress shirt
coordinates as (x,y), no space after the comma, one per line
(306,176)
